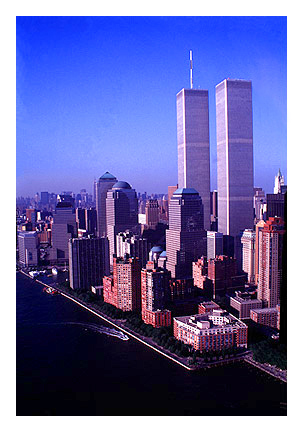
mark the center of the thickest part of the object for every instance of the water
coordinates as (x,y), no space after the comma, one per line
(75,369)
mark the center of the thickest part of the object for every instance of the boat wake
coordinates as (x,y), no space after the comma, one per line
(101,329)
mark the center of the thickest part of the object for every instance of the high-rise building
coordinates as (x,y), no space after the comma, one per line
(259,226)
(214,244)
(44,198)
(270,261)
(28,248)
(154,292)
(248,253)
(123,289)
(105,182)
(88,261)
(214,210)
(91,220)
(80,218)
(199,272)
(193,145)
(185,237)
(133,246)
(64,227)
(279,182)
(152,213)
(258,203)
(234,156)
(275,205)
(121,213)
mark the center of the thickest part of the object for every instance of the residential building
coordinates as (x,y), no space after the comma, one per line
(208,307)
(193,145)
(270,261)
(266,316)
(199,272)
(248,254)
(132,245)
(211,331)
(123,289)
(244,305)
(259,226)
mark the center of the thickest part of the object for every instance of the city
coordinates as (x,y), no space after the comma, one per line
(197,275)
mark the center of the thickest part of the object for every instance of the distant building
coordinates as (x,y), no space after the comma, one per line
(28,248)
(214,210)
(270,261)
(259,202)
(154,292)
(105,182)
(185,238)
(152,213)
(248,254)
(279,182)
(121,213)
(214,244)
(91,220)
(212,331)
(266,316)
(80,218)
(234,156)
(244,305)
(88,261)
(275,205)
(123,289)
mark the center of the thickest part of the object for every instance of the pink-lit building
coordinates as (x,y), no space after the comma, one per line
(211,331)
(266,316)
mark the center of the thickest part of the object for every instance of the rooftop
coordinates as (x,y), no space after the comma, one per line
(185,191)
(121,185)
(107,176)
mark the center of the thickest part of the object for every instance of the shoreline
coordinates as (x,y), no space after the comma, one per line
(248,359)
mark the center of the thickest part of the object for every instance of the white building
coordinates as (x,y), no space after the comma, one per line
(248,254)
(279,181)
(28,248)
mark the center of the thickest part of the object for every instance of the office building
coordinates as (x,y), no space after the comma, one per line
(91,220)
(193,145)
(259,202)
(152,213)
(244,304)
(44,198)
(28,248)
(133,246)
(279,182)
(234,156)
(154,296)
(214,210)
(105,182)
(121,213)
(185,241)
(214,244)
(88,261)
(275,205)
(80,218)
(248,254)
(270,262)
(211,331)
(64,227)
(123,289)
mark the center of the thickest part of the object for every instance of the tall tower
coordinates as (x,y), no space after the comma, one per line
(270,261)
(279,181)
(248,253)
(185,236)
(105,182)
(193,144)
(121,213)
(234,156)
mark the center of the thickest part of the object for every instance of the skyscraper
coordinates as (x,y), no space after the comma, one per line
(270,261)
(185,237)
(279,182)
(248,253)
(121,213)
(64,227)
(193,145)
(105,182)
(152,213)
(132,245)
(214,244)
(234,156)
(28,248)
(88,261)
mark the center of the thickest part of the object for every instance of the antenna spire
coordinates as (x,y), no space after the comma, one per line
(191,66)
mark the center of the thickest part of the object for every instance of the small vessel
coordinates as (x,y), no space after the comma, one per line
(54,271)
(50,290)
(34,274)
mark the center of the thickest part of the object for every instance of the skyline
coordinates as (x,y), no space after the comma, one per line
(110,94)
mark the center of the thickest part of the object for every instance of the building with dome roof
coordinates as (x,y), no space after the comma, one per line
(121,213)
(105,182)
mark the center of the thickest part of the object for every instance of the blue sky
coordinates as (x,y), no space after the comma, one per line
(98,94)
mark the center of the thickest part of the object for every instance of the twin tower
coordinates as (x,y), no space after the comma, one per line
(234,152)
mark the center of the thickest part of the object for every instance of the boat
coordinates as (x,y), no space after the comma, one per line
(54,271)
(34,274)
(50,290)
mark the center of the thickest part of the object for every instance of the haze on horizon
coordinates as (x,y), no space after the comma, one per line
(98,94)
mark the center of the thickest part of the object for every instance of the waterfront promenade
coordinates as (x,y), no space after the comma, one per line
(184,362)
